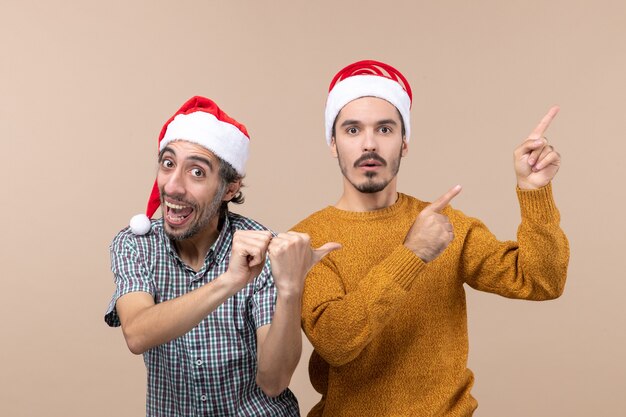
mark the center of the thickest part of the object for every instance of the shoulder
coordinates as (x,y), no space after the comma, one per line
(314,222)
(239,222)
(127,240)
(410,203)
(459,219)
(416,205)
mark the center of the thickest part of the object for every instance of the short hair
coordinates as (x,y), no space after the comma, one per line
(228,175)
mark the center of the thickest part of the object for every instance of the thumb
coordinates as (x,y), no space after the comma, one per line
(324,250)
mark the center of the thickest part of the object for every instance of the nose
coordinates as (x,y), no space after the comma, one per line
(369,141)
(174,183)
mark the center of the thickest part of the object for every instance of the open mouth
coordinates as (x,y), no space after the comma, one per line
(177,214)
(370,160)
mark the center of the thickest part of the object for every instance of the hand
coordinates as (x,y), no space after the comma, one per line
(291,257)
(536,162)
(432,232)
(247,256)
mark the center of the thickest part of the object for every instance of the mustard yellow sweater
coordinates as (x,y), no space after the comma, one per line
(389,331)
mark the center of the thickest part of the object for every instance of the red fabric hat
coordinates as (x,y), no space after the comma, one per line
(368,78)
(199,121)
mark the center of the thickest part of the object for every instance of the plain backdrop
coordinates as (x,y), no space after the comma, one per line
(85,87)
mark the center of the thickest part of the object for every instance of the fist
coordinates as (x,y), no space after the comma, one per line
(247,255)
(291,257)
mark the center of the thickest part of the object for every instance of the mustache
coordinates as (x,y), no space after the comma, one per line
(369,156)
(176,198)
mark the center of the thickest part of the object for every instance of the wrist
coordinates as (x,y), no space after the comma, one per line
(422,253)
(532,185)
(424,257)
(289,292)
(526,186)
(228,283)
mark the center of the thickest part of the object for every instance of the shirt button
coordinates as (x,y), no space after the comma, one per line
(199,362)
(203,397)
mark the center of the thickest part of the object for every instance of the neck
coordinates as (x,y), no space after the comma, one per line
(193,250)
(355,200)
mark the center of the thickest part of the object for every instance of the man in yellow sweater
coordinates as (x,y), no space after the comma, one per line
(386,314)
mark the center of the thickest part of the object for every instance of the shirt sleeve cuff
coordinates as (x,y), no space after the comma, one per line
(538,205)
(110,317)
(403,265)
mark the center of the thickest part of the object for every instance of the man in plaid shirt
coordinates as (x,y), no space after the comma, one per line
(219,329)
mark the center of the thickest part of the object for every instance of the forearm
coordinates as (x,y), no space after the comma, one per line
(148,325)
(340,325)
(543,246)
(279,352)
(534,267)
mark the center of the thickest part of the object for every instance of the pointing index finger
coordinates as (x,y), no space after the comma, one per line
(445,199)
(544,123)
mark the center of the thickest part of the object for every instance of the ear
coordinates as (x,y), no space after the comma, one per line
(405,147)
(333,147)
(231,190)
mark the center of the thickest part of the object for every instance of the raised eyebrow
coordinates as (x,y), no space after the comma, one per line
(387,122)
(164,150)
(350,122)
(200,159)
(203,160)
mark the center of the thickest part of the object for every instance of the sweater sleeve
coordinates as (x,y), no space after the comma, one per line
(341,324)
(534,267)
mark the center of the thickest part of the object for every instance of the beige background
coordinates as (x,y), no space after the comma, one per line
(85,87)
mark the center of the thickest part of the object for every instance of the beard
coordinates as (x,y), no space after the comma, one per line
(204,214)
(372,184)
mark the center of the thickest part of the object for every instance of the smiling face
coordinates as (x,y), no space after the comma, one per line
(191,189)
(369,144)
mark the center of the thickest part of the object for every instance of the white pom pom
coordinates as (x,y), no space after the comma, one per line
(140,224)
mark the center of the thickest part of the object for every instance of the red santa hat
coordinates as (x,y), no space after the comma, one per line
(200,121)
(368,79)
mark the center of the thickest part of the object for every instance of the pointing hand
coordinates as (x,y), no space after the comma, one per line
(432,232)
(536,162)
(291,257)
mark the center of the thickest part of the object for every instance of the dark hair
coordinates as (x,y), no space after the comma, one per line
(229,175)
(332,135)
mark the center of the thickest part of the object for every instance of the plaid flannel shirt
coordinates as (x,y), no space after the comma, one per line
(211,370)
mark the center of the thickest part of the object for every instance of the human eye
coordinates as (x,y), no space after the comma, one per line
(197,172)
(167,163)
(385,130)
(352,130)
